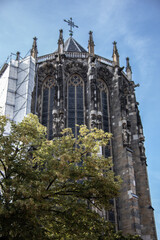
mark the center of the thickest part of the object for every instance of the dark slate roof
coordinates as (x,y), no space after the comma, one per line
(72,45)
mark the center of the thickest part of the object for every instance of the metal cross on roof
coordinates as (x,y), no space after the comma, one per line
(72,25)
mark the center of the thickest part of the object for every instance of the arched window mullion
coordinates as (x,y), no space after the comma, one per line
(104,109)
(107,151)
(50,114)
(48,92)
(45,106)
(75,102)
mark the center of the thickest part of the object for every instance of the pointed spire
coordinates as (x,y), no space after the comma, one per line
(60,42)
(91,43)
(17,56)
(34,50)
(115,54)
(128,69)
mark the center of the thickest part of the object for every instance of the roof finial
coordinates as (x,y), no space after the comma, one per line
(91,43)
(72,25)
(60,42)
(128,69)
(34,50)
(115,54)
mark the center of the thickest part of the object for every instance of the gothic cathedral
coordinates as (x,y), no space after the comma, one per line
(73,86)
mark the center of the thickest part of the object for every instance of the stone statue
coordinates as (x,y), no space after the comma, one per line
(93,119)
(126,134)
(55,122)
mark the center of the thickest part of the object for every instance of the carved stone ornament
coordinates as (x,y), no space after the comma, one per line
(55,123)
(142,148)
(99,120)
(140,133)
(58,122)
(92,70)
(73,67)
(126,134)
(105,74)
(61,121)
(93,118)
(142,153)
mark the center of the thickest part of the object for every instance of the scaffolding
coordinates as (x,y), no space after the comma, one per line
(17,79)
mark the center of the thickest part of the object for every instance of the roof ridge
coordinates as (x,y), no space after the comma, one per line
(76,44)
(68,40)
(71,45)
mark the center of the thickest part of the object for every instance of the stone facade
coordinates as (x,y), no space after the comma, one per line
(75,86)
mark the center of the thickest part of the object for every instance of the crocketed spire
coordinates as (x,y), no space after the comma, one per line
(34,50)
(115,54)
(91,43)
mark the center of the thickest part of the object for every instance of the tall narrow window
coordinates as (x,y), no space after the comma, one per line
(48,92)
(75,103)
(104,108)
(45,106)
(103,104)
(103,91)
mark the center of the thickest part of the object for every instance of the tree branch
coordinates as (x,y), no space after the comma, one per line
(51,183)
(2,174)
(4,167)
(1,185)
(94,205)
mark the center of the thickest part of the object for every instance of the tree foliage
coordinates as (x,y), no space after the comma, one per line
(50,189)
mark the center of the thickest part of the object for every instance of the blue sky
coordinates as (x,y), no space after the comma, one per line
(134,24)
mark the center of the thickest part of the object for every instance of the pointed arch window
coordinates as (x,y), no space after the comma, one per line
(75,102)
(103,104)
(104,108)
(48,95)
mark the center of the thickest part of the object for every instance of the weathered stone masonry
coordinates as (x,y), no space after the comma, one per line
(98,93)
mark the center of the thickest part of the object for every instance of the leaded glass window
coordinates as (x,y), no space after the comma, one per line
(103,91)
(103,105)
(75,103)
(48,93)
(104,108)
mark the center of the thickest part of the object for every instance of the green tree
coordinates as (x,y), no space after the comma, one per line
(50,189)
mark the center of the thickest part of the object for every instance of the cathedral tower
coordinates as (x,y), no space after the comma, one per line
(79,87)
(74,86)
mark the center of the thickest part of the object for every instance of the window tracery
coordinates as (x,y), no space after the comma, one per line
(104,109)
(103,104)
(48,103)
(75,102)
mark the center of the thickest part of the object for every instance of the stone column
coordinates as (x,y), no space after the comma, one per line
(58,111)
(92,76)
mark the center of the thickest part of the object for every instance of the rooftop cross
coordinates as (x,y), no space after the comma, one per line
(72,25)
